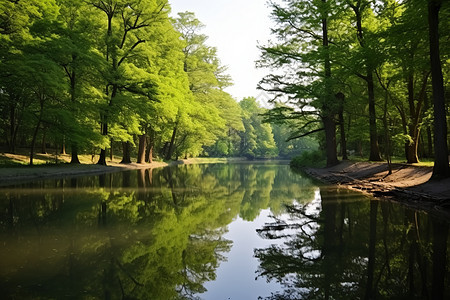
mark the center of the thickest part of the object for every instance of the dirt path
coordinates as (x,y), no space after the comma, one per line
(407,184)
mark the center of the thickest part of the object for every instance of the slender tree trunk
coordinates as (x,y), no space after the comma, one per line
(111,150)
(12,119)
(341,98)
(387,140)
(73,82)
(411,146)
(109,49)
(150,146)
(63,147)
(428,130)
(102,158)
(172,143)
(374,148)
(330,137)
(328,111)
(441,168)
(44,142)
(141,151)
(36,129)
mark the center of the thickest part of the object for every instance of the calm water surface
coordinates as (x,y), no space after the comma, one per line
(238,231)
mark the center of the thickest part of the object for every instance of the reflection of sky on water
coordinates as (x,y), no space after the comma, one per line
(241,284)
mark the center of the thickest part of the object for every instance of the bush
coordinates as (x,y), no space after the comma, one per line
(309,159)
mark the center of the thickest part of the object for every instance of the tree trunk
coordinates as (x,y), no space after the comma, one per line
(428,130)
(340,97)
(102,158)
(74,159)
(44,146)
(109,52)
(172,143)
(111,150)
(374,149)
(126,156)
(330,137)
(33,141)
(12,119)
(328,111)
(150,146)
(387,140)
(63,147)
(441,168)
(141,151)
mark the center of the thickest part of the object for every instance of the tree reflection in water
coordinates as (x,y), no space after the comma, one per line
(342,247)
(144,234)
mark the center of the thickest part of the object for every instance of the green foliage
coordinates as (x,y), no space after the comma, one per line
(257,139)
(309,159)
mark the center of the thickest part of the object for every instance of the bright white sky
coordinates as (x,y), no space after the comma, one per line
(234,27)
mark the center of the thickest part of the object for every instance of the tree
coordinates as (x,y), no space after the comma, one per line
(441,163)
(199,120)
(127,29)
(360,9)
(303,53)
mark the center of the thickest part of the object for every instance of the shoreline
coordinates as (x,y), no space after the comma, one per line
(408,184)
(18,175)
(22,174)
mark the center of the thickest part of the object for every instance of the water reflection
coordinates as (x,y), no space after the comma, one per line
(344,249)
(146,234)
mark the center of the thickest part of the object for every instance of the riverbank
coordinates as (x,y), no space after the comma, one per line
(408,184)
(24,173)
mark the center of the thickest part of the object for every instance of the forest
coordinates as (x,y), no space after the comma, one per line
(122,77)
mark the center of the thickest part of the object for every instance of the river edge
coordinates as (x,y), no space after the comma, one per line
(408,184)
(23,174)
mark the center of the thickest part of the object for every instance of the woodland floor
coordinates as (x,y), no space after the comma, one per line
(408,184)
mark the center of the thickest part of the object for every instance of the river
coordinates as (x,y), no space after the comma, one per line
(215,231)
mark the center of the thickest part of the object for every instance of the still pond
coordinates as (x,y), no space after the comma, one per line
(219,231)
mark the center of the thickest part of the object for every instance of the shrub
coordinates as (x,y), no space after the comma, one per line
(309,159)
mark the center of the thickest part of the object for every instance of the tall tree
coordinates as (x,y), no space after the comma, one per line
(441,163)
(199,117)
(127,28)
(360,9)
(303,45)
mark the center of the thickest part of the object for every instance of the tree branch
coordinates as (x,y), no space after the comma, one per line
(305,134)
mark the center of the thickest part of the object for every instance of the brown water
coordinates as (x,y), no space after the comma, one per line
(238,231)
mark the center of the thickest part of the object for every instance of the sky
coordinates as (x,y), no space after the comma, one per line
(234,27)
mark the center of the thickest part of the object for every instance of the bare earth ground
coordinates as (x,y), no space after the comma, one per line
(407,184)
